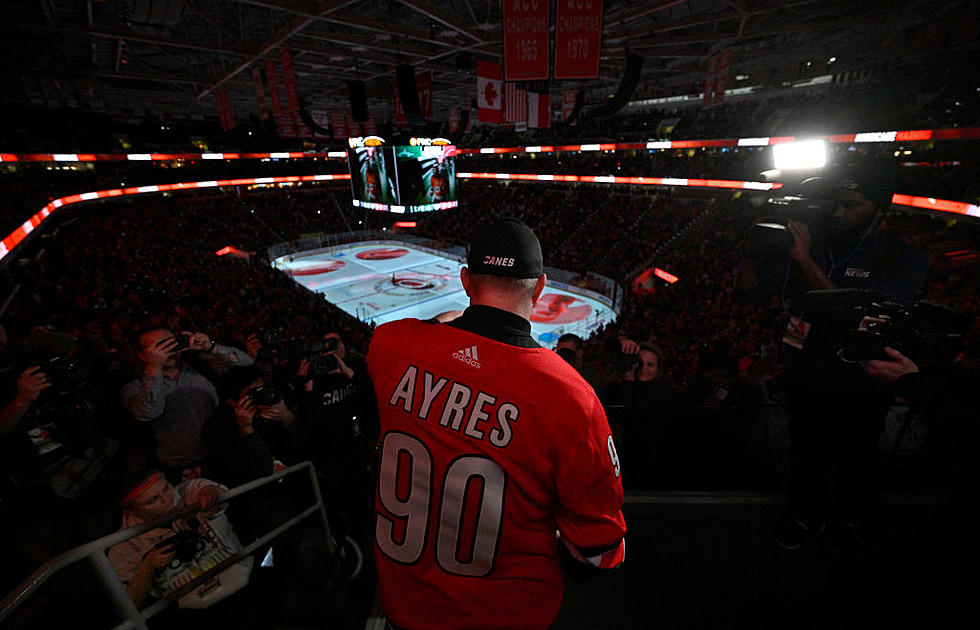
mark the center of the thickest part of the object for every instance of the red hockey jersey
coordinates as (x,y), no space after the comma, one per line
(486,451)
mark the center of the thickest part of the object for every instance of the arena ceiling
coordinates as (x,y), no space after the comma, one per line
(165,57)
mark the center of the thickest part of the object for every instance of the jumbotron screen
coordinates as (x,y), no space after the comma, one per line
(420,177)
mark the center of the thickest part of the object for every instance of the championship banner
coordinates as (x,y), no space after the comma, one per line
(289,80)
(578,39)
(526,49)
(272,81)
(338,121)
(260,92)
(454,120)
(423,85)
(568,99)
(489,88)
(287,128)
(224,109)
(716,79)
(401,120)
(724,70)
(538,110)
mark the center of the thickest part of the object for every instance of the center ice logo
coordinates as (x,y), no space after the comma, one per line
(411,284)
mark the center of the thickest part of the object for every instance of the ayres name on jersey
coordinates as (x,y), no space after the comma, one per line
(416,395)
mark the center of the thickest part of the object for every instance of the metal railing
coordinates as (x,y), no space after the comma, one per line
(95,553)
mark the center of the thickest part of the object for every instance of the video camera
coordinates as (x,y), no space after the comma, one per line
(63,372)
(265,395)
(928,333)
(186,544)
(812,204)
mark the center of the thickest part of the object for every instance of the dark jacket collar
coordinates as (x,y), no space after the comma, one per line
(497,324)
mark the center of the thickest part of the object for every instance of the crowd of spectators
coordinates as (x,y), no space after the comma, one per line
(688,373)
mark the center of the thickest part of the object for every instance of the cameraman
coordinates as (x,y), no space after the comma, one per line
(836,412)
(16,451)
(174,397)
(938,554)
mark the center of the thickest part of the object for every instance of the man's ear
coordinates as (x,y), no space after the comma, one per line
(464,277)
(539,287)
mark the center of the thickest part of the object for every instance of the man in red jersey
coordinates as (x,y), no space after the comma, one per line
(496,456)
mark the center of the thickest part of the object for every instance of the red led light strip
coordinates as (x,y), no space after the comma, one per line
(915,135)
(663,275)
(942,205)
(18,235)
(635,181)
(162,157)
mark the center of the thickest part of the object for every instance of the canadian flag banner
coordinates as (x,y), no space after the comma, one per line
(515,104)
(538,110)
(489,88)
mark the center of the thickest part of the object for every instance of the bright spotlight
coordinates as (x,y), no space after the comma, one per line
(800,155)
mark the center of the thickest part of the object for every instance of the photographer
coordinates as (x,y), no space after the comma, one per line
(255,432)
(161,560)
(30,384)
(174,397)
(338,403)
(18,455)
(51,430)
(836,412)
(339,397)
(641,407)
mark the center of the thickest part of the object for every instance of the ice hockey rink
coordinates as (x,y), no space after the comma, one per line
(381,281)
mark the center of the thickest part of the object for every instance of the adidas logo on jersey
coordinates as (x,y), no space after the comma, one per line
(468,356)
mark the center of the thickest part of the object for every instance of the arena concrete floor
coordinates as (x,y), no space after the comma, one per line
(710,561)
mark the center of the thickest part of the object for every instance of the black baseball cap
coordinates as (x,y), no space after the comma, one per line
(505,248)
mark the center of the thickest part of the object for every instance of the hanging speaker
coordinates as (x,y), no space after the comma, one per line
(464,61)
(464,119)
(357,92)
(631,76)
(409,95)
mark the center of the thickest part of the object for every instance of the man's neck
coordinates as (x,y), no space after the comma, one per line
(521,310)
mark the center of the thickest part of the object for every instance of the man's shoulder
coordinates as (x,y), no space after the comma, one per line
(407,322)
(553,374)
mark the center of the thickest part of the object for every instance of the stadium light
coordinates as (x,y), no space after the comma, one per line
(800,155)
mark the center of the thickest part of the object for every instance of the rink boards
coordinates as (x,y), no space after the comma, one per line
(382,281)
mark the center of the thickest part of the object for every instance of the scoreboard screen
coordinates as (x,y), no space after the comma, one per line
(405,179)
(426,175)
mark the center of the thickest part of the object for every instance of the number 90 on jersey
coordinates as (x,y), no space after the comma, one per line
(406,490)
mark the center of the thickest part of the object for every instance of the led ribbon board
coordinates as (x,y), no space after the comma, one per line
(17,236)
(915,135)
